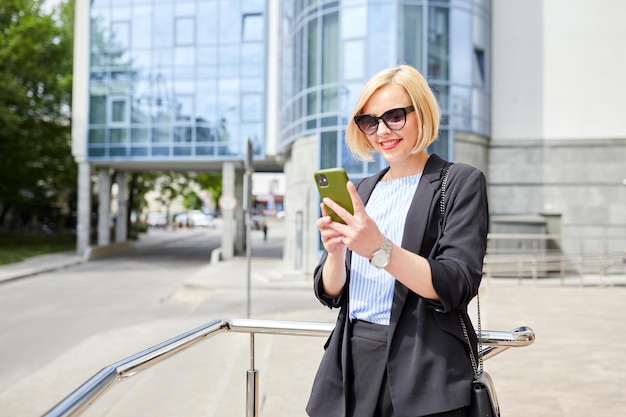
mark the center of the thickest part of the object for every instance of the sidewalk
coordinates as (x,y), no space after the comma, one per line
(51,262)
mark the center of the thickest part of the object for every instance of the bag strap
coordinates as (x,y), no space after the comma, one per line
(477,365)
(442,204)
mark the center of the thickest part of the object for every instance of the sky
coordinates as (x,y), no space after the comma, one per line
(50,5)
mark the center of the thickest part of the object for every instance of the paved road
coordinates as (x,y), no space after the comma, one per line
(48,314)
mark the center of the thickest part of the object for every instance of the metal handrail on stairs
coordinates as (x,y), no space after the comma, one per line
(494,342)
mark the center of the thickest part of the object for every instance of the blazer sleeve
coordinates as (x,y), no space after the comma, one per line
(457,260)
(318,286)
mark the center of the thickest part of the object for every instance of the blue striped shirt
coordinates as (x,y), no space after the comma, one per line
(371,289)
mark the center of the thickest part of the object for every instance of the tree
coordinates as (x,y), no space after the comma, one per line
(37,170)
(212,183)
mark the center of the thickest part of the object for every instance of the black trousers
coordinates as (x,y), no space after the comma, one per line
(370,396)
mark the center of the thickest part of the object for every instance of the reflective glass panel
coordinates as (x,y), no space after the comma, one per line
(97,110)
(160,135)
(139,135)
(120,35)
(185,31)
(328,150)
(118,111)
(117,136)
(97,136)
(412,36)
(141,27)
(163,29)
(252,27)
(438,43)
(229,21)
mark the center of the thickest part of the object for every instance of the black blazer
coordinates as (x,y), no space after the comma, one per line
(428,363)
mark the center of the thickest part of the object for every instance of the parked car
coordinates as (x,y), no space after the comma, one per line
(155,219)
(194,218)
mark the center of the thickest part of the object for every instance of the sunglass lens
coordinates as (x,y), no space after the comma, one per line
(368,124)
(394,118)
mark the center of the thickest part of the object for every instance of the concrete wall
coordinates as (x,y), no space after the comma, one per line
(472,149)
(301,197)
(517,69)
(558,129)
(584,67)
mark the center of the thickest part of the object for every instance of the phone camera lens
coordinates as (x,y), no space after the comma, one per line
(322,180)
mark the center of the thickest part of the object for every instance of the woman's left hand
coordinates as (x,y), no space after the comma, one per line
(360,233)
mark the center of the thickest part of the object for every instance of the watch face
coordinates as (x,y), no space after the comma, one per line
(380,259)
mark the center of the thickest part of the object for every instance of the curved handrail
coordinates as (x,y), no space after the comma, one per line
(494,342)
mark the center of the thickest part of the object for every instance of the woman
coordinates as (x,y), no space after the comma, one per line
(400,282)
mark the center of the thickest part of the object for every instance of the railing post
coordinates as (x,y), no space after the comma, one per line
(252,385)
(252,393)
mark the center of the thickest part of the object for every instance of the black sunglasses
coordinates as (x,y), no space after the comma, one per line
(394,119)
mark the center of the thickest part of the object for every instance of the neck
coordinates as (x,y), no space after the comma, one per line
(406,168)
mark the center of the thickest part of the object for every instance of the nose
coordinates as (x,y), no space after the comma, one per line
(382,127)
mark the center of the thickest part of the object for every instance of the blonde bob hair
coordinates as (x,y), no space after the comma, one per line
(426,106)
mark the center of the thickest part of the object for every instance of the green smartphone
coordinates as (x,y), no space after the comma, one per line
(331,183)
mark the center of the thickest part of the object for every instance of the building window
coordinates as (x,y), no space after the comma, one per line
(353,60)
(479,66)
(413,36)
(438,43)
(97,110)
(252,107)
(185,31)
(119,109)
(252,27)
(330,48)
(120,35)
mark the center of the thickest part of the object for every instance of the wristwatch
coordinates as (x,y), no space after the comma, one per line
(380,258)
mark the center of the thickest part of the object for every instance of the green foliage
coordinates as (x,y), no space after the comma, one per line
(192,201)
(18,248)
(36,166)
(212,183)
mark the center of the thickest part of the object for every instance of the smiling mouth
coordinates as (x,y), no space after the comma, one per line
(388,144)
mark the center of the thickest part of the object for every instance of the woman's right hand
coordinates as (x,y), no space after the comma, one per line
(331,239)
(334,272)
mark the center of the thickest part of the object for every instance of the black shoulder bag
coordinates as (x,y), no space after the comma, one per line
(484,399)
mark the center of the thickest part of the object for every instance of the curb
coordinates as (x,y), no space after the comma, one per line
(36,270)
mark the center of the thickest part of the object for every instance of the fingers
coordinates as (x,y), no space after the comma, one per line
(357,204)
(331,238)
(325,222)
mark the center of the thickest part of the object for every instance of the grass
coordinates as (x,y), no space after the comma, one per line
(17,248)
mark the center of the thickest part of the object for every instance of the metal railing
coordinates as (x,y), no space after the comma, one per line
(535,256)
(494,342)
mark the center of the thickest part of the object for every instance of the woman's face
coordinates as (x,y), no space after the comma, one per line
(393,145)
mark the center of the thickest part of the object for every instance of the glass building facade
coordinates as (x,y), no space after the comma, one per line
(332,47)
(176,79)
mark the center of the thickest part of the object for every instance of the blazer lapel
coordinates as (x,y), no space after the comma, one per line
(366,185)
(417,219)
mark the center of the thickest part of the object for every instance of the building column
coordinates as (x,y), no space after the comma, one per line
(80,104)
(83,216)
(121,226)
(240,221)
(104,206)
(228,212)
